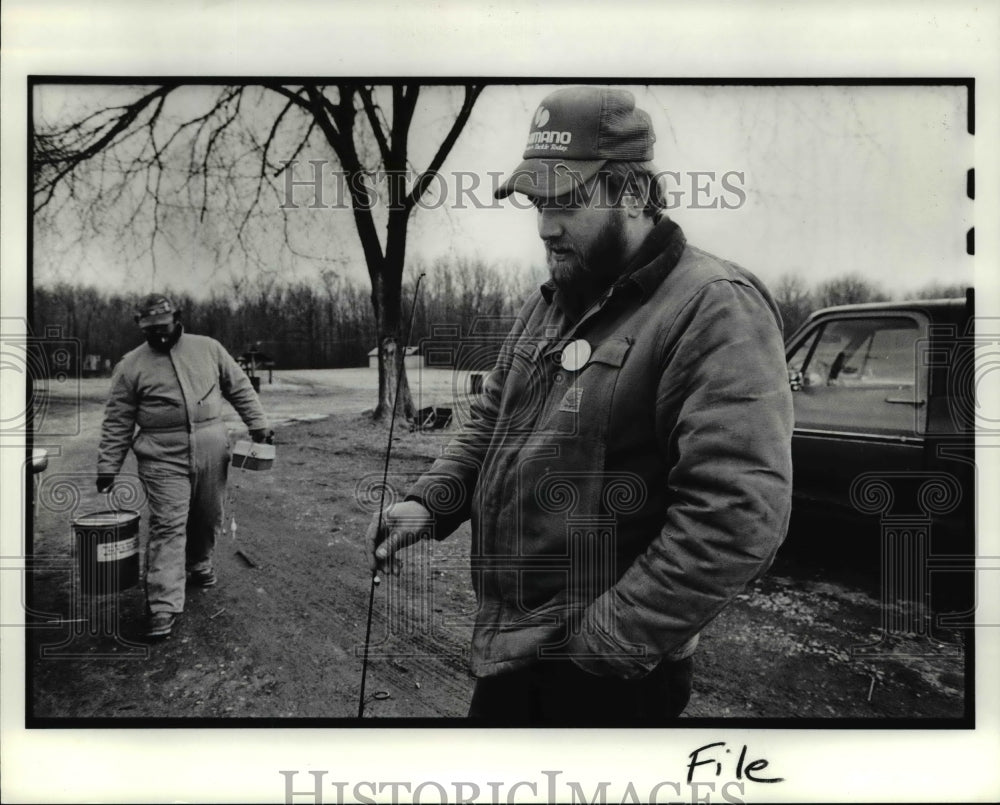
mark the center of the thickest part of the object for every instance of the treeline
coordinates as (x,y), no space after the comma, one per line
(462,308)
(324,324)
(796,299)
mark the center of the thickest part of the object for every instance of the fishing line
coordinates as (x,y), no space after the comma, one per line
(385,480)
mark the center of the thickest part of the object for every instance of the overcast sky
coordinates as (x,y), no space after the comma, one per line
(811,180)
(868,179)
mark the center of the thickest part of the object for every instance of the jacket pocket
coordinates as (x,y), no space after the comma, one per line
(207,405)
(612,352)
(584,408)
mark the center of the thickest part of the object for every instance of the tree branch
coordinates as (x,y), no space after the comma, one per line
(376,124)
(422,182)
(71,159)
(333,119)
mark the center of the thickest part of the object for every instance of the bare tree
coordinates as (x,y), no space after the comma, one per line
(849,289)
(793,300)
(156,172)
(942,290)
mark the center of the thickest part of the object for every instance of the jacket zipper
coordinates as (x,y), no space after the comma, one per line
(187,413)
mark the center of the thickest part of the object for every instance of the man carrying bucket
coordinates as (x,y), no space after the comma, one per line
(627,468)
(172,388)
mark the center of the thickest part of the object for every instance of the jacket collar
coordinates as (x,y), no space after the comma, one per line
(656,257)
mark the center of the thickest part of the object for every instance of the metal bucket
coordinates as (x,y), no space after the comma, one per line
(107,549)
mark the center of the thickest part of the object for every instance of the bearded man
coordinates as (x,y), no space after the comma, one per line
(627,468)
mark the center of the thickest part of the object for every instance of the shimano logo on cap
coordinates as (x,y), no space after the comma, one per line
(556,140)
(541,117)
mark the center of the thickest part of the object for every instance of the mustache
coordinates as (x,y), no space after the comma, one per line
(556,245)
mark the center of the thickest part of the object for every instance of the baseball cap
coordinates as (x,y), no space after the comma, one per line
(573,133)
(155,309)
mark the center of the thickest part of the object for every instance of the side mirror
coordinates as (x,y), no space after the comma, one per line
(795,379)
(39,459)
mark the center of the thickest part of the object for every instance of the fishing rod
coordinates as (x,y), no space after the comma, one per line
(376,580)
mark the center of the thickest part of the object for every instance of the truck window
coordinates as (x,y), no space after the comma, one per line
(859,375)
(870,353)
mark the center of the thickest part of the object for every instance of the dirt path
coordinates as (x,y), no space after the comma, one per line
(280,636)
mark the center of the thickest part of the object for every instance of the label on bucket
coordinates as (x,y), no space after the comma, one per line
(113,551)
(251,456)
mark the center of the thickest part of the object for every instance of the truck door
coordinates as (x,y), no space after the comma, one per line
(860,399)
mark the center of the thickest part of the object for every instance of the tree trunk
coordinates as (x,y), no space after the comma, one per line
(393,386)
(392,330)
(391,354)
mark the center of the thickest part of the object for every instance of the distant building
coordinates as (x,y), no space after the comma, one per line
(413,358)
(92,365)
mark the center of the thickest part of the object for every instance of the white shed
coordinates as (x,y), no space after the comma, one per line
(412,360)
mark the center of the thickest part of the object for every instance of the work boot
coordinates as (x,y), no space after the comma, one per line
(204,578)
(160,624)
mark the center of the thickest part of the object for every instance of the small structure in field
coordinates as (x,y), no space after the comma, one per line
(413,358)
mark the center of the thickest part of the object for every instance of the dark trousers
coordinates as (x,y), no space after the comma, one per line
(559,693)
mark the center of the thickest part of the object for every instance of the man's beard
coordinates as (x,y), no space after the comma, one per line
(163,342)
(588,274)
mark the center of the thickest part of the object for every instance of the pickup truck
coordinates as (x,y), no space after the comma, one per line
(884,431)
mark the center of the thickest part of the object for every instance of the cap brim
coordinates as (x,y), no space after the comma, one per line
(159,318)
(549,178)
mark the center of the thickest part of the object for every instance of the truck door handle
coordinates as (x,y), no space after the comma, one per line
(905,401)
